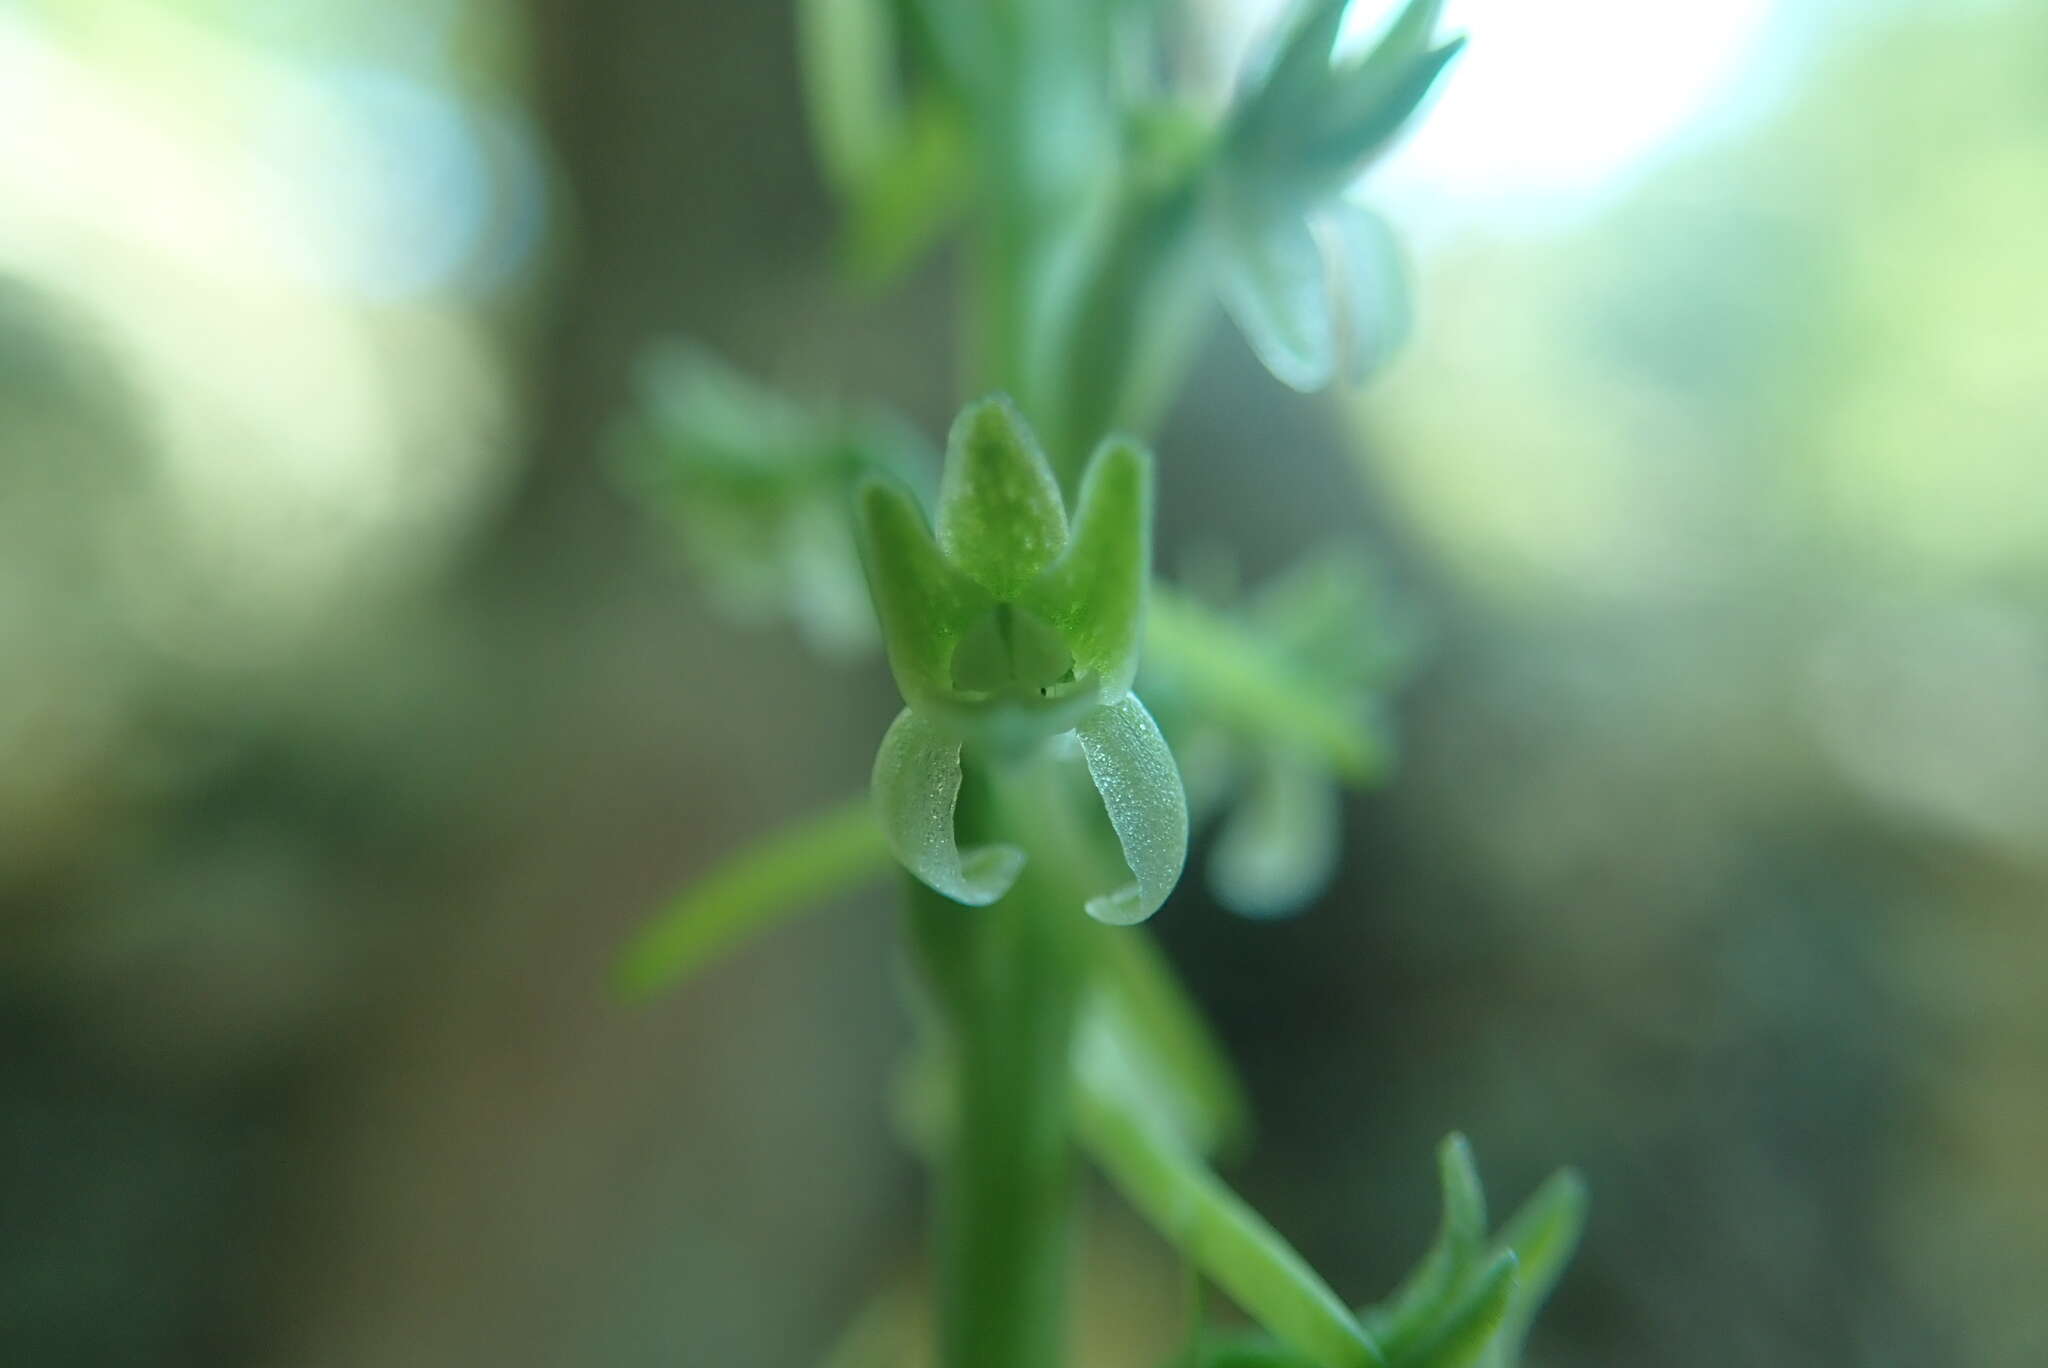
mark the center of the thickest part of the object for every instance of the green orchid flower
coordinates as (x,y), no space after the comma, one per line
(755,485)
(1015,636)
(1313,279)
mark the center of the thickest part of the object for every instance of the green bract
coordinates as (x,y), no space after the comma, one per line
(1009,631)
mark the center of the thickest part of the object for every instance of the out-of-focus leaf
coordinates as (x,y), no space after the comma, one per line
(1096,593)
(1288,71)
(1169,1045)
(915,789)
(909,196)
(787,873)
(1210,1224)
(1542,1235)
(1464,1334)
(1330,614)
(1133,770)
(756,484)
(1001,520)
(1405,1319)
(1271,276)
(848,52)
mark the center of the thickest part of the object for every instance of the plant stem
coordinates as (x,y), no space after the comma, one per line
(1008,979)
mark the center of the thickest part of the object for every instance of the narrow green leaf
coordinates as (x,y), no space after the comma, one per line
(848,57)
(1240,1350)
(1273,283)
(1140,786)
(1001,521)
(1095,593)
(1288,73)
(1461,1337)
(1407,1317)
(1212,1226)
(925,606)
(765,884)
(1542,1235)
(1464,1225)
(1404,39)
(910,195)
(1169,1043)
(916,787)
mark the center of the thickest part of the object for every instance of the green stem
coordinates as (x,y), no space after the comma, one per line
(1008,980)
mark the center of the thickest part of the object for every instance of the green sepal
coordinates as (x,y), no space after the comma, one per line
(1309,123)
(1361,87)
(925,606)
(1135,773)
(916,788)
(1365,119)
(1001,521)
(1095,592)
(1543,1235)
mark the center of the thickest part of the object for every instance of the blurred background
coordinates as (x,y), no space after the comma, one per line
(350,714)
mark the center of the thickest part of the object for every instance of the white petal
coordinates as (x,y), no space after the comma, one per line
(916,786)
(1140,786)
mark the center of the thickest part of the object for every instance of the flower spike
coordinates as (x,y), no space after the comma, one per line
(1007,628)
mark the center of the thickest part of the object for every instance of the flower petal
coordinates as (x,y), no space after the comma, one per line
(1140,786)
(916,787)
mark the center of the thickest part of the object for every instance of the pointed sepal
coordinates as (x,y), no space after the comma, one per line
(1001,521)
(924,604)
(1095,593)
